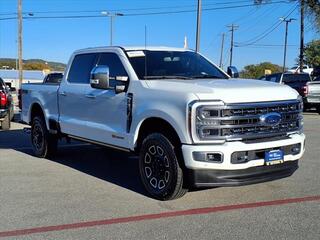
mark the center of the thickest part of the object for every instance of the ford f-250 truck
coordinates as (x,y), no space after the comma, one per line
(191,124)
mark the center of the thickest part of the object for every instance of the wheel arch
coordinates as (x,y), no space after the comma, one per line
(156,124)
(37,110)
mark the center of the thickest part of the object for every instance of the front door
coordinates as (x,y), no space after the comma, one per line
(107,111)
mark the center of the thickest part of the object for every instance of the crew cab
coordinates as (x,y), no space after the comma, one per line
(6,106)
(191,124)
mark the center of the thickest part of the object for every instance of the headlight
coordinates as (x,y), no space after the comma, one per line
(206,123)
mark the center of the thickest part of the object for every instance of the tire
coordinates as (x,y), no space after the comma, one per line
(318,109)
(6,123)
(159,167)
(44,144)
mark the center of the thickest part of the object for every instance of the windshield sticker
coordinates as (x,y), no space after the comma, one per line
(136,54)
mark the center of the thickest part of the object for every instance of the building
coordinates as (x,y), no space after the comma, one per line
(11,77)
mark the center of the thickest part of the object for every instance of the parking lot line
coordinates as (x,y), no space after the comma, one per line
(146,217)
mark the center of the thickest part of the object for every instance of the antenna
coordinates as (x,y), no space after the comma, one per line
(145,51)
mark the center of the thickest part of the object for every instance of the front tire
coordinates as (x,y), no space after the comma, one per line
(44,144)
(159,167)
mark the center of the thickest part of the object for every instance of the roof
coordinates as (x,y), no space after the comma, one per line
(134,48)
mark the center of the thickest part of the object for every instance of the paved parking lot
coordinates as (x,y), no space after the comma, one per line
(88,192)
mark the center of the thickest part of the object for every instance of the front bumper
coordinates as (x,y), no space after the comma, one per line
(227,173)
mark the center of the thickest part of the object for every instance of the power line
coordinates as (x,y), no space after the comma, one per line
(135,9)
(148,13)
(266,33)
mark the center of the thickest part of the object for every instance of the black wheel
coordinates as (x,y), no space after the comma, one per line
(44,144)
(160,171)
(318,109)
(6,123)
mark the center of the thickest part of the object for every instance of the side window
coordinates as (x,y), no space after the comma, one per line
(113,62)
(116,67)
(81,67)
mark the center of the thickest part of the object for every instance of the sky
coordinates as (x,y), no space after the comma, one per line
(54,39)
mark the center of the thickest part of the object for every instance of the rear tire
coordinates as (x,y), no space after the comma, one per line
(44,144)
(159,168)
(6,123)
(318,109)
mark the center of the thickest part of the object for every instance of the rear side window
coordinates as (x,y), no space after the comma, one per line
(290,78)
(81,67)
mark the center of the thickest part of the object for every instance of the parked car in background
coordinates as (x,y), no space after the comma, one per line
(53,78)
(306,69)
(6,106)
(313,94)
(297,81)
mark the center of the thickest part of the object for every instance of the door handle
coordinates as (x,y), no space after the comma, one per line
(90,96)
(63,93)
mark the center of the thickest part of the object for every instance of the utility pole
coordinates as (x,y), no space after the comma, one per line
(198,26)
(301,36)
(287,21)
(232,29)
(221,54)
(20,42)
(111,15)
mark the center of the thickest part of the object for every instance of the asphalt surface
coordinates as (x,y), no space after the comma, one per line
(89,192)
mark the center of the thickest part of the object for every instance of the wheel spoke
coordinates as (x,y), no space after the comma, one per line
(147,158)
(161,184)
(154,182)
(166,161)
(148,171)
(152,150)
(160,151)
(166,176)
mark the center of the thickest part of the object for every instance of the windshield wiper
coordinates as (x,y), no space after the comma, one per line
(205,76)
(166,77)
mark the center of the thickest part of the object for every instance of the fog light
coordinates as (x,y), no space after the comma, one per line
(208,157)
(296,149)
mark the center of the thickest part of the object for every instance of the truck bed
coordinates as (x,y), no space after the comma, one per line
(43,94)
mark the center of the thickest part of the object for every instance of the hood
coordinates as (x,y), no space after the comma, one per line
(228,90)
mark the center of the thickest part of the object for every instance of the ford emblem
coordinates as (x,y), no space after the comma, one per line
(270,119)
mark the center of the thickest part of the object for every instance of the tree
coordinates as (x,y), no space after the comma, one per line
(313,8)
(258,70)
(312,53)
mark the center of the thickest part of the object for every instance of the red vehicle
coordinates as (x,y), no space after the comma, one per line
(6,106)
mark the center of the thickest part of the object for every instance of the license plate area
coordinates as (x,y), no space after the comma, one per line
(274,157)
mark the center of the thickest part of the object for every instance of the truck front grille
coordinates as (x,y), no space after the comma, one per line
(246,121)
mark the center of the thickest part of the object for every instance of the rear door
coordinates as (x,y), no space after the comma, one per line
(71,97)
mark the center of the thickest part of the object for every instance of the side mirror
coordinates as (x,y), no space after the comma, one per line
(99,77)
(233,72)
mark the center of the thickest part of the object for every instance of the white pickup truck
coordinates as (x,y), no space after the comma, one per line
(191,124)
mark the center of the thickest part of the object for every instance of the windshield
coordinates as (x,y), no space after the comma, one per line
(172,64)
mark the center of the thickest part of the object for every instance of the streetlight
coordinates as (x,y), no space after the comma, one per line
(111,15)
(287,21)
